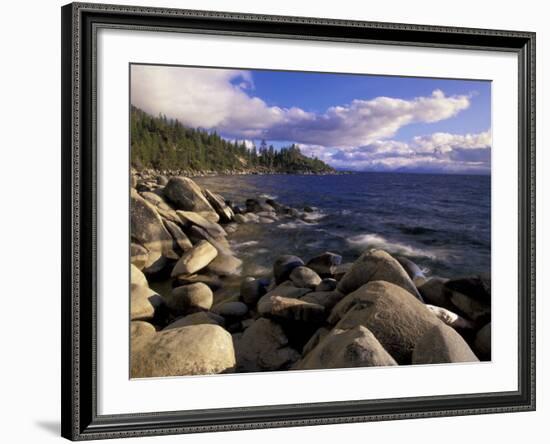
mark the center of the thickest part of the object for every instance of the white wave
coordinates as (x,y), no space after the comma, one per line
(313,216)
(268,196)
(295,224)
(363,241)
(246,244)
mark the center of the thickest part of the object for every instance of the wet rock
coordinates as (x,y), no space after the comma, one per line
(192,350)
(376,265)
(264,346)
(304,277)
(356,347)
(327,284)
(325,264)
(433,292)
(284,265)
(190,298)
(482,342)
(195,259)
(253,289)
(231,309)
(413,270)
(441,344)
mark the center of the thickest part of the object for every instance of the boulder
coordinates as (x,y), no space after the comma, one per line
(217,202)
(413,270)
(475,287)
(304,277)
(140,333)
(186,195)
(275,205)
(253,289)
(327,299)
(188,218)
(213,281)
(192,350)
(392,314)
(201,317)
(441,344)
(376,265)
(195,259)
(143,303)
(450,318)
(220,243)
(264,346)
(341,270)
(292,309)
(137,277)
(356,347)
(471,307)
(225,265)
(138,255)
(325,264)
(327,284)
(288,290)
(190,298)
(255,206)
(147,229)
(231,309)
(180,238)
(162,180)
(314,340)
(482,342)
(433,292)
(284,265)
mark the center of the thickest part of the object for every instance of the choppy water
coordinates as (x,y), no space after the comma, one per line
(441,222)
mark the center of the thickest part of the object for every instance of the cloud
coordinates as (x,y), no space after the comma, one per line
(221,99)
(438,152)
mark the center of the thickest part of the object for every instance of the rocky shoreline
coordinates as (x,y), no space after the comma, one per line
(309,313)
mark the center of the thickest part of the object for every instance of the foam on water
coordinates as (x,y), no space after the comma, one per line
(363,241)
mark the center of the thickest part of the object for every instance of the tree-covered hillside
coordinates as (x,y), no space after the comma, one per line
(166,144)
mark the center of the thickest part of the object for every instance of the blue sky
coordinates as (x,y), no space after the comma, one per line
(352,122)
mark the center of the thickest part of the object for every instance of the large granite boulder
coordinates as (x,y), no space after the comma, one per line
(189,218)
(192,350)
(147,229)
(264,346)
(195,259)
(441,344)
(225,265)
(138,255)
(434,292)
(218,203)
(180,238)
(356,347)
(392,314)
(376,265)
(186,195)
(200,317)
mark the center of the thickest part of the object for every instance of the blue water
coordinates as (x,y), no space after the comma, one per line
(441,222)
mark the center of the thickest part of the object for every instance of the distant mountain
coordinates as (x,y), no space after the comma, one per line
(166,144)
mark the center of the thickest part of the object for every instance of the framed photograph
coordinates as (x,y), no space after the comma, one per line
(280,221)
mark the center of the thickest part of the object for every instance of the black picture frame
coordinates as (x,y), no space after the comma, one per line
(80,22)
